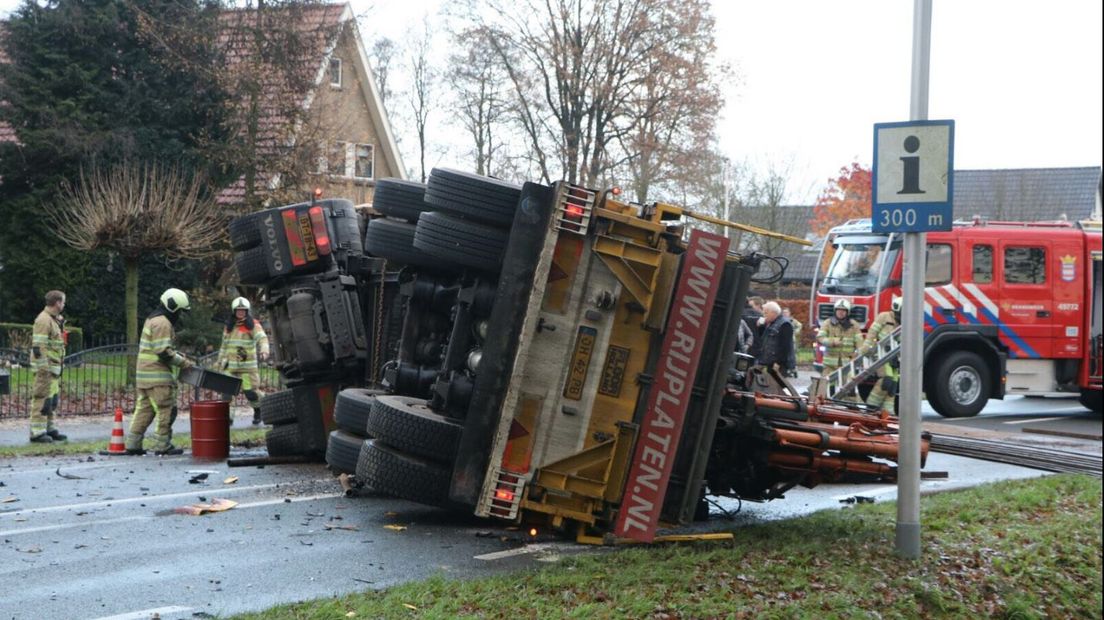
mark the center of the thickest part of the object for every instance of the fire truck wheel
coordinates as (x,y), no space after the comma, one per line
(284,440)
(252,266)
(408,424)
(402,199)
(960,386)
(343,451)
(245,232)
(394,240)
(352,407)
(278,408)
(473,196)
(386,470)
(462,242)
(1092,400)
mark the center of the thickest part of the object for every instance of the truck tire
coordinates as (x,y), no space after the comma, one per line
(1092,400)
(461,242)
(394,240)
(343,451)
(244,232)
(278,408)
(352,409)
(476,197)
(400,199)
(409,425)
(252,266)
(284,440)
(960,386)
(386,470)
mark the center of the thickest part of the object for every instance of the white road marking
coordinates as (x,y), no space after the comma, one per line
(870,493)
(62,526)
(1033,420)
(64,467)
(498,555)
(220,491)
(146,614)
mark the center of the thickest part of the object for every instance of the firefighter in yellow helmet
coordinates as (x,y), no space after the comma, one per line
(243,341)
(47,351)
(158,364)
(881,395)
(840,336)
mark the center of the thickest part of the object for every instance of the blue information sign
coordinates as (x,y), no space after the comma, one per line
(913,177)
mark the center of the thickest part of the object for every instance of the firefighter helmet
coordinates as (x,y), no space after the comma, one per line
(240,303)
(843,304)
(896,303)
(174,299)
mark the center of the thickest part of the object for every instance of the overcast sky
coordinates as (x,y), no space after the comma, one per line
(1022,80)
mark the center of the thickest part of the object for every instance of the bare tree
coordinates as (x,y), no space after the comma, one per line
(479,82)
(382,54)
(422,93)
(136,210)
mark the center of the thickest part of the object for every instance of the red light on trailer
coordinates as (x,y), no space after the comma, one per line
(504,495)
(616,191)
(574,211)
(318,223)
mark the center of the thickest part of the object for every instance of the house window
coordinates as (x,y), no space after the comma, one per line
(335,159)
(364,161)
(983,264)
(1025,265)
(938,264)
(335,72)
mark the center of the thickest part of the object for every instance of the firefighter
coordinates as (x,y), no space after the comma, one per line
(881,395)
(158,363)
(238,355)
(841,336)
(47,351)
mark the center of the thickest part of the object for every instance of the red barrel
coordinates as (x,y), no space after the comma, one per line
(210,429)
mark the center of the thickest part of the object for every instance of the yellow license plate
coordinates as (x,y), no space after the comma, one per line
(580,362)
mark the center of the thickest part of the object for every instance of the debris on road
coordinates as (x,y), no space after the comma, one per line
(216,505)
(396,528)
(230,480)
(196,479)
(68,476)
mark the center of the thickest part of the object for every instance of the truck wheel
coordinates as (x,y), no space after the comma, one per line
(343,451)
(401,199)
(394,240)
(461,242)
(278,408)
(386,470)
(252,266)
(960,386)
(352,408)
(473,196)
(244,232)
(284,440)
(1092,400)
(408,424)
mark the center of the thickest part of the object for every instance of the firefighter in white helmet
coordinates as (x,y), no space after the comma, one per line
(881,395)
(158,363)
(841,338)
(244,342)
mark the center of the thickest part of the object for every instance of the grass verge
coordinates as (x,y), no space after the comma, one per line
(1017,549)
(245,437)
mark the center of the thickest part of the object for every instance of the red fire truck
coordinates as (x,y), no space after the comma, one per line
(1009,307)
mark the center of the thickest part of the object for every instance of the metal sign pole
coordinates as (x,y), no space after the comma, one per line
(912,318)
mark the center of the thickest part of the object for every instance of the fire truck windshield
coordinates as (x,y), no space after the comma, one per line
(856,268)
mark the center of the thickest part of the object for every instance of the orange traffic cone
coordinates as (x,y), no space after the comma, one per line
(117,445)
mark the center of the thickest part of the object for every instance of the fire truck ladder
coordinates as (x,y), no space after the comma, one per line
(845,378)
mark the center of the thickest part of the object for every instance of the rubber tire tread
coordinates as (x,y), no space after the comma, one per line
(252,266)
(400,199)
(442,199)
(343,451)
(498,200)
(284,440)
(467,243)
(352,408)
(278,408)
(939,397)
(394,240)
(386,470)
(451,175)
(409,425)
(245,232)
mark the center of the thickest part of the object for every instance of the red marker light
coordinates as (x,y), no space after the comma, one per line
(574,211)
(504,495)
(321,237)
(616,191)
(318,192)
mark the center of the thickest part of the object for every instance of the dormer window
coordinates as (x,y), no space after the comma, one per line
(335,72)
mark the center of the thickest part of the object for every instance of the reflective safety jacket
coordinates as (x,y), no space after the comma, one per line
(156,356)
(883,325)
(240,346)
(47,343)
(843,342)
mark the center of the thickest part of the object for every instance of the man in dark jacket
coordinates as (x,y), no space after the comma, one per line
(777,340)
(752,313)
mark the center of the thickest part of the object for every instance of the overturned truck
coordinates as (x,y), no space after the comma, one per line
(564,357)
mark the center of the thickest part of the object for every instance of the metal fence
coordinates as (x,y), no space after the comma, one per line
(97,381)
